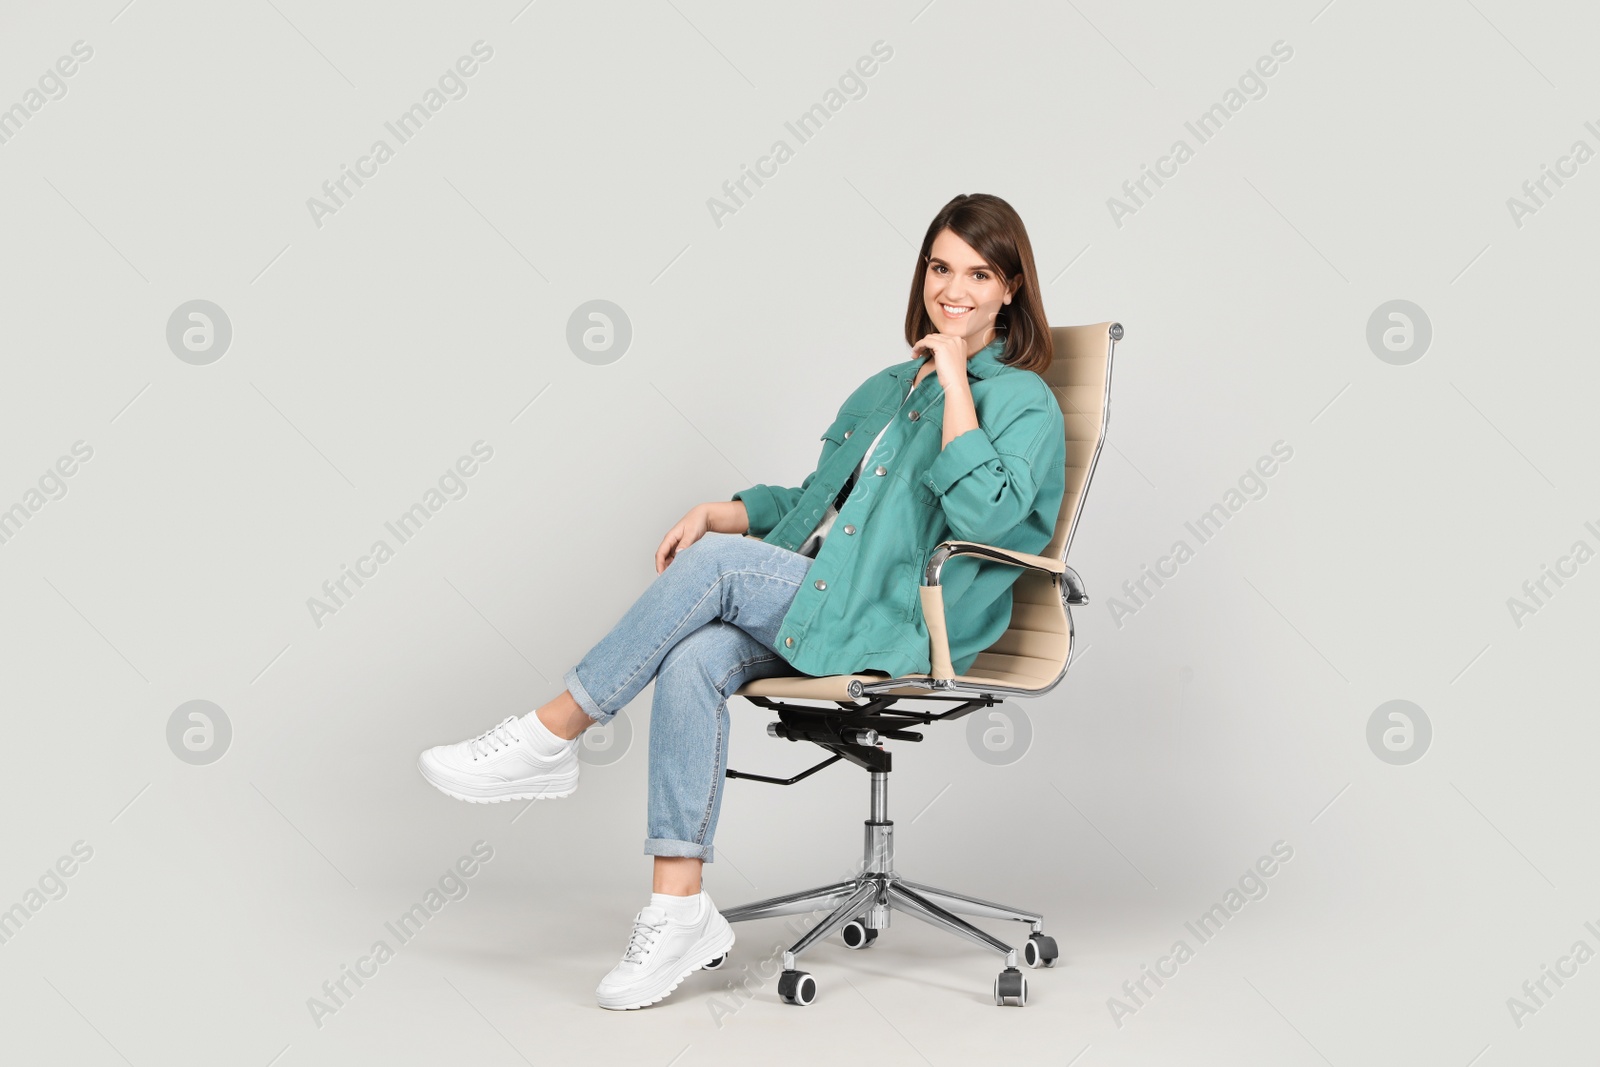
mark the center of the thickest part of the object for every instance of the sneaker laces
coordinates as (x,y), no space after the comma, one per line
(643,937)
(493,739)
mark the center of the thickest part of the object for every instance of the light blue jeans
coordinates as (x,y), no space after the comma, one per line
(705,626)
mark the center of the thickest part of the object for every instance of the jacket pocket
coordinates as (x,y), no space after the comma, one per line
(841,428)
(926,496)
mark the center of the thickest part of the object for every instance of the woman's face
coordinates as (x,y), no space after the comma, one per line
(963,294)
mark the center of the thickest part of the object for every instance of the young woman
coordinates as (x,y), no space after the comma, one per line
(965,441)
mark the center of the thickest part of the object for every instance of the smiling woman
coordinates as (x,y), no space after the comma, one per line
(978,454)
(964,440)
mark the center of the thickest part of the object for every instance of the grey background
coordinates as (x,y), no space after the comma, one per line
(431,312)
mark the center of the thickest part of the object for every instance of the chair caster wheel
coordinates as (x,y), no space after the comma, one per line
(797,987)
(856,934)
(718,962)
(1040,951)
(1011,987)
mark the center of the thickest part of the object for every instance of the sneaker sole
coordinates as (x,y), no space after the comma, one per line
(564,787)
(708,957)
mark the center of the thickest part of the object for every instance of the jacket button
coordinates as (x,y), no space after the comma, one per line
(789,641)
(821,584)
(849,529)
(914,416)
(847,434)
(880,472)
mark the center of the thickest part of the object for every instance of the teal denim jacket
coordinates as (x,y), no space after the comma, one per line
(1000,484)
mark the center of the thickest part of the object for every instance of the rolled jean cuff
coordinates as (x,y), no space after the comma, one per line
(590,706)
(660,846)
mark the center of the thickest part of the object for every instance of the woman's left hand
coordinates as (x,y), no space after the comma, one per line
(949,356)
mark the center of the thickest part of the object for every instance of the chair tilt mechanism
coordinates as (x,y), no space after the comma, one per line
(1028,660)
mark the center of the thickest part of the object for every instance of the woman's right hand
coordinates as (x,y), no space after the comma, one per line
(689,529)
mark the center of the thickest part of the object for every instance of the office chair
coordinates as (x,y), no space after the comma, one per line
(1028,660)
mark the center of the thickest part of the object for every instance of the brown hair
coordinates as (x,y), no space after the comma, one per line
(995,231)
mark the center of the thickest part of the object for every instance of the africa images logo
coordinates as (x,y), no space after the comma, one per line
(452,85)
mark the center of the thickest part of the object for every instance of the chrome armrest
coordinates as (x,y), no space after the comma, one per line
(944,550)
(933,596)
(1076,594)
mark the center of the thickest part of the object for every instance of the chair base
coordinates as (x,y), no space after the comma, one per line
(869,898)
(862,905)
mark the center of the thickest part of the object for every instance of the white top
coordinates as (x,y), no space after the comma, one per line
(813,543)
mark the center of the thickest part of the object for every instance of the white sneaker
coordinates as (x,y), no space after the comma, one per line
(500,764)
(663,952)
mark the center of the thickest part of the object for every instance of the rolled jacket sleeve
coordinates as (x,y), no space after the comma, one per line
(766,504)
(989,484)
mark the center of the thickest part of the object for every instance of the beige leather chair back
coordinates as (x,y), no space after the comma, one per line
(1080,376)
(1033,652)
